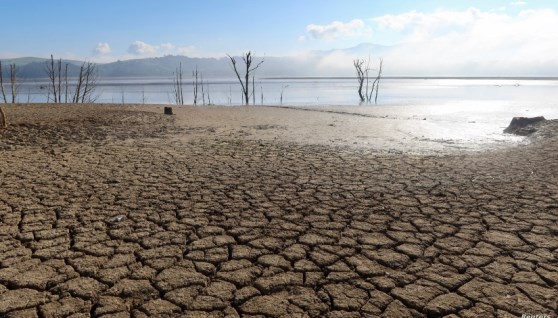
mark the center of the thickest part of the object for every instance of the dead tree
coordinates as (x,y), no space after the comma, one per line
(362,74)
(13,82)
(54,72)
(376,84)
(59,64)
(177,86)
(362,68)
(66,83)
(2,84)
(248,59)
(195,84)
(3,121)
(86,83)
(203,92)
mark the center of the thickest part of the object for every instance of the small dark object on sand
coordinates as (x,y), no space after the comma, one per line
(168,110)
(522,125)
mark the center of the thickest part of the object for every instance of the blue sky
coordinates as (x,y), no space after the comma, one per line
(105,31)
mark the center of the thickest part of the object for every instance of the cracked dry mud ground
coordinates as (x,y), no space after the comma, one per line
(102,214)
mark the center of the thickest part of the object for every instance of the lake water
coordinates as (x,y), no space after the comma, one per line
(312,92)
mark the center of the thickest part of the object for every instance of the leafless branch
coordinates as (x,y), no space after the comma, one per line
(248,60)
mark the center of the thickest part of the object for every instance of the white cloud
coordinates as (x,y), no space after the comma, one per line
(142,48)
(167,46)
(102,48)
(186,50)
(427,24)
(337,29)
(472,42)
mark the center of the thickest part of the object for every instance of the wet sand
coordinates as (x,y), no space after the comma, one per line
(224,212)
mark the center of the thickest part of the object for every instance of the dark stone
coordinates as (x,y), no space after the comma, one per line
(523,125)
(168,110)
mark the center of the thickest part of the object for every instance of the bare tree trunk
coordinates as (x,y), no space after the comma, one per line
(181,86)
(361,71)
(78,85)
(66,84)
(86,83)
(367,75)
(248,59)
(378,80)
(203,93)
(2,84)
(52,75)
(247,80)
(13,82)
(178,86)
(4,122)
(59,80)
(363,75)
(48,93)
(195,84)
(90,80)
(175,87)
(208,96)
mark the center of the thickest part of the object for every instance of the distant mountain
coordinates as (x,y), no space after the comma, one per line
(316,63)
(21,61)
(209,67)
(34,67)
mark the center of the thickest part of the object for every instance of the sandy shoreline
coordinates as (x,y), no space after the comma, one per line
(110,211)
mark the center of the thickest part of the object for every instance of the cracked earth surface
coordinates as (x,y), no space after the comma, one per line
(104,214)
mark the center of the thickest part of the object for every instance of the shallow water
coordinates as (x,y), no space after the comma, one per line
(312,92)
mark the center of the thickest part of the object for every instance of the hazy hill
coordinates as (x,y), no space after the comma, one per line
(166,66)
(209,67)
(316,63)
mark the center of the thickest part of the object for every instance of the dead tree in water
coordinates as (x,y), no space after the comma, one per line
(376,84)
(195,75)
(248,59)
(362,74)
(3,122)
(86,83)
(14,83)
(53,69)
(50,70)
(2,84)
(362,68)
(177,86)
